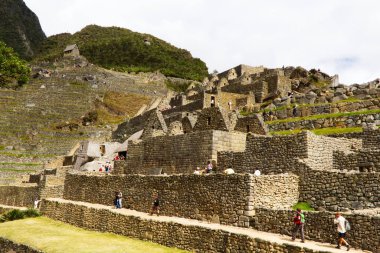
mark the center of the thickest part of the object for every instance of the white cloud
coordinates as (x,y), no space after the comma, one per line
(313,34)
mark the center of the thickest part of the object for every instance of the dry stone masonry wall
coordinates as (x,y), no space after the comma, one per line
(180,153)
(18,195)
(319,226)
(225,199)
(172,234)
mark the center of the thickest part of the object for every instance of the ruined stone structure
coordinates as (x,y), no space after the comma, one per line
(71,50)
(173,137)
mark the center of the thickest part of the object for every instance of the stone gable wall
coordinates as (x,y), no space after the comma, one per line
(180,153)
(172,234)
(319,226)
(218,198)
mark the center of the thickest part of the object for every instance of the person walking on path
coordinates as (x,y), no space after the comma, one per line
(342,227)
(155,205)
(118,199)
(299,221)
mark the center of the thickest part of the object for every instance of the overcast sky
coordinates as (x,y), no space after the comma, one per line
(338,36)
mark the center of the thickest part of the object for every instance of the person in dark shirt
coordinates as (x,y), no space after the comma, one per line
(155,205)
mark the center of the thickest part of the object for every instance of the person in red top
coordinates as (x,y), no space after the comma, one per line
(299,220)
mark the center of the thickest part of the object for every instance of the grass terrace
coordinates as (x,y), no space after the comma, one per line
(53,236)
(323,116)
(322,131)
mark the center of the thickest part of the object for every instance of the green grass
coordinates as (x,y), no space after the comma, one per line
(16,170)
(322,131)
(53,236)
(303,206)
(323,116)
(21,164)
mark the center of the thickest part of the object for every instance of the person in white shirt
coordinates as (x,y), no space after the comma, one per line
(229,171)
(341,228)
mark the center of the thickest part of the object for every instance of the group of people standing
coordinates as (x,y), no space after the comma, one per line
(342,227)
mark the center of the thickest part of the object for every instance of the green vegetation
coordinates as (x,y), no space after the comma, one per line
(21,164)
(17,214)
(323,116)
(118,106)
(52,236)
(20,28)
(14,72)
(322,131)
(177,86)
(123,50)
(303,206)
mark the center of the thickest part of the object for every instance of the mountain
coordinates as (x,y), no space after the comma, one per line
(124,50)
(20,28)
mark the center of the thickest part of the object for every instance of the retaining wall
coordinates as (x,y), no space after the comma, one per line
(18,195)
(172,234)
(7,246)
(364,233)
(217,198)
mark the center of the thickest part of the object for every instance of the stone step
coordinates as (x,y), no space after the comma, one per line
(182,233)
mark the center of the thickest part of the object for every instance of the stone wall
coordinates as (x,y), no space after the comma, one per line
(319,226)
(280,154)
(18,195)
(337,190)
(342,121)
(172,234)
(179,153)
(218,198)
(274,191)
(190,107)
(7,246)
(361,161)
(327,109)
(371,138)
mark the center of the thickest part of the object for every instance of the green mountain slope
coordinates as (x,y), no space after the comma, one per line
(20,28)
(122,49)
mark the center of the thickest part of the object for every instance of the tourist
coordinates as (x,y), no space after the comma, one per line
(197,171)
(119,197)
(257,173)
(299,221)
(294,112)
(229,171)
(155,205)
(36,202)
(209,167)
(342,225)
(117,158)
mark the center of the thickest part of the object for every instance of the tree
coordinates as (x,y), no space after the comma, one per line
(13,70)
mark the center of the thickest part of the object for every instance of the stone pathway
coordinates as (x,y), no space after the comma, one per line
(276,238)
(4,207)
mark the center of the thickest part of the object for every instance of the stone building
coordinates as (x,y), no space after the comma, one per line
(71,50)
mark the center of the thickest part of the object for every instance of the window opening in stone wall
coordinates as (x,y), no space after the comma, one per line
(247,128)
(209,121)
(153,127)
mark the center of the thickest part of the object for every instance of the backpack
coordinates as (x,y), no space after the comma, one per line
(302,218)
(347,225)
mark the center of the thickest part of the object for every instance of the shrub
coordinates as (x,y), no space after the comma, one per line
(17,214)
(12,68)
(303,206)
(14,215)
